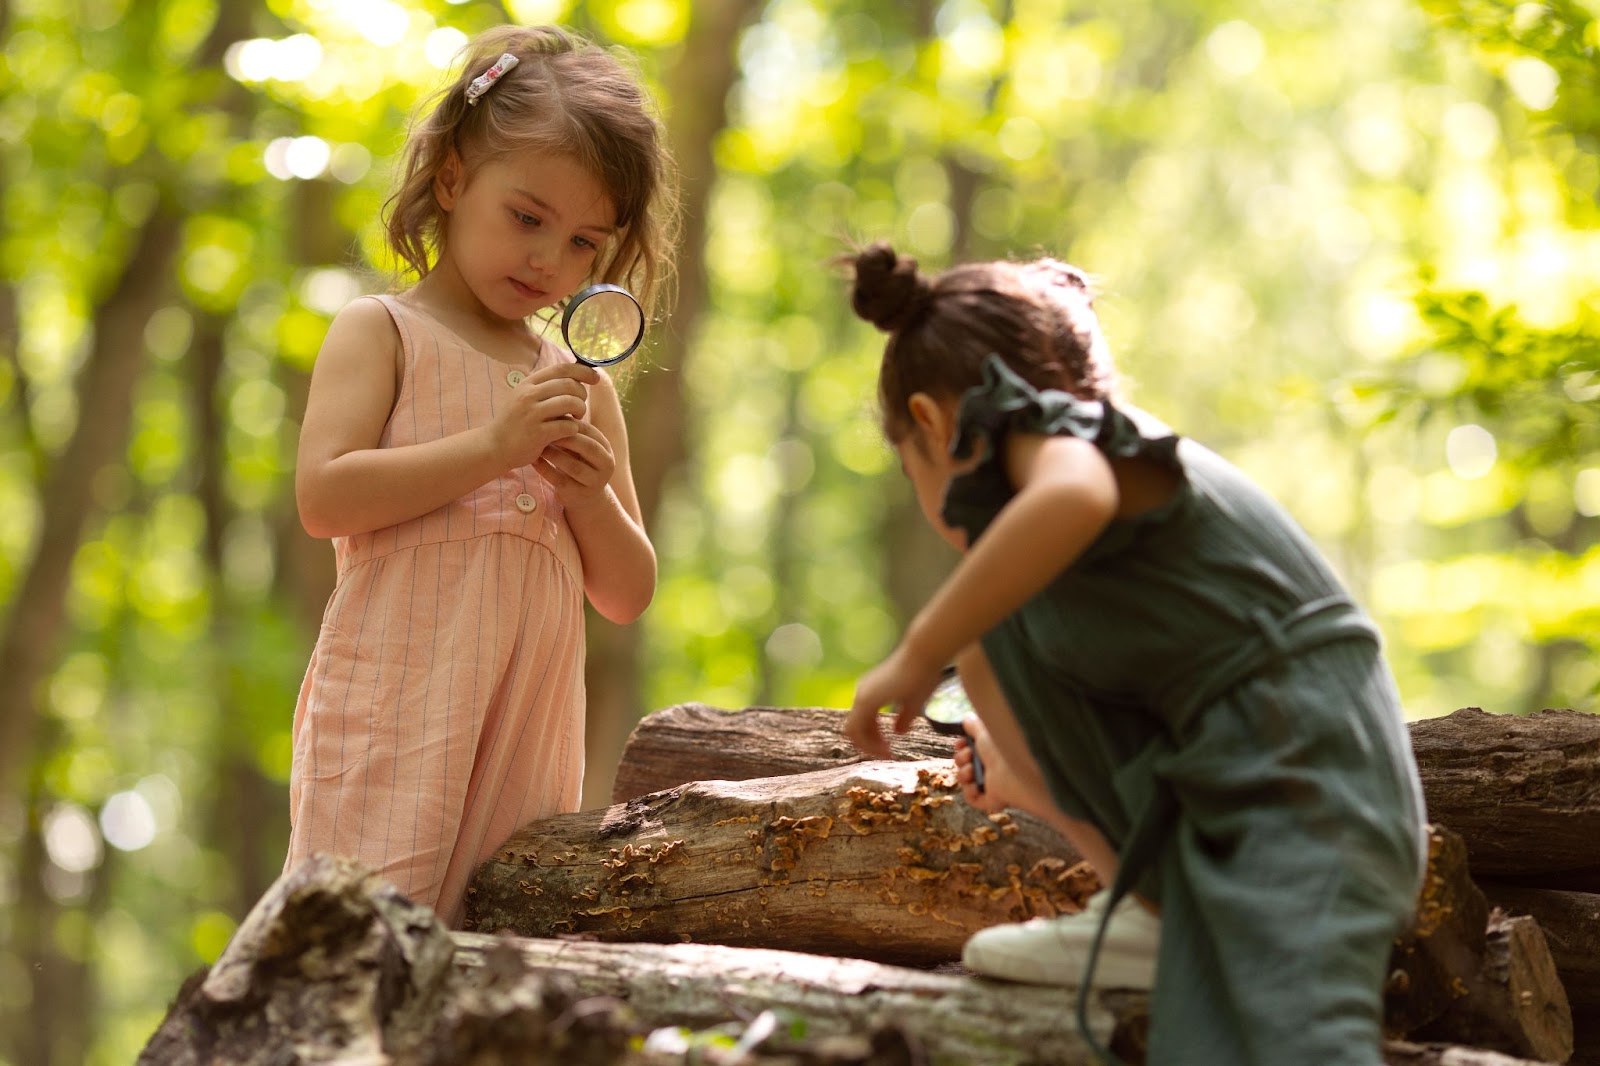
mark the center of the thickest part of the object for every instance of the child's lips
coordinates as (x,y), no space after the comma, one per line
(527,290)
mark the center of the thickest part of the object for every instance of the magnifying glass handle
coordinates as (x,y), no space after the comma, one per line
(977,769)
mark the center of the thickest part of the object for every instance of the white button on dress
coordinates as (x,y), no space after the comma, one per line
(526,503)
(515,378)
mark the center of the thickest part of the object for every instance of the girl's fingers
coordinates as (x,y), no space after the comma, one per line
(862,729)
(576,372)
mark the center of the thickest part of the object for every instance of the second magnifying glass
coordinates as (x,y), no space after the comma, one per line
(602,325)
(946,709)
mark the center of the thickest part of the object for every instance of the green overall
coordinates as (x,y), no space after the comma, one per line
(1199,686)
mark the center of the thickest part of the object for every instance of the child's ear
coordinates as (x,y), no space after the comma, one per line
(448,181)
(933,421)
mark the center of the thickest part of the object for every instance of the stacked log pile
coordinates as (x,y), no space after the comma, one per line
(760,893)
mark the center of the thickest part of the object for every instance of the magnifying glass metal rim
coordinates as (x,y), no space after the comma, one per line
(577,300)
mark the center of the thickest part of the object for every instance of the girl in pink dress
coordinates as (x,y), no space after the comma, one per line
(473,476)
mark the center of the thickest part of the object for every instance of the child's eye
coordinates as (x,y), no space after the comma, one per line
(523,219)
(583,242)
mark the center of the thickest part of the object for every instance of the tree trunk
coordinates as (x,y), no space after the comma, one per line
(881,861)
(698,87)
(105,387)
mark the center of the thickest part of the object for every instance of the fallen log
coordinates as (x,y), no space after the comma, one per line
(879,860)
(333,965)
(695,742)
(1524,792)
(1469,975)
(950,1018)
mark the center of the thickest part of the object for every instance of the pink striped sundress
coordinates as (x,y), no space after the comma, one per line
(443,706)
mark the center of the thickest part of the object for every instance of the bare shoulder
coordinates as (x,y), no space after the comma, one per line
(363,325)
(353,384)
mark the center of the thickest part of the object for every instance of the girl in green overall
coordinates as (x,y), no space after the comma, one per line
(1152,639)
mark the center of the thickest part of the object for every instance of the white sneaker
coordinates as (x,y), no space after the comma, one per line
(1055,951)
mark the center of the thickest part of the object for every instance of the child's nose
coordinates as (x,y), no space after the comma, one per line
(544,253)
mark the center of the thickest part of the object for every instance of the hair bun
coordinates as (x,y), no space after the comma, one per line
(888,290)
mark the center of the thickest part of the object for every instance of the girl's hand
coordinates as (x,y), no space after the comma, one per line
(579,467)
(903,681)
(547,406)
(997,779)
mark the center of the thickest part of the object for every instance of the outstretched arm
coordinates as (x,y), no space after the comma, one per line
(591,473)
(1066,494)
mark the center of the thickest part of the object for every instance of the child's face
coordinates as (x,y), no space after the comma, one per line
(929,469)
(523,232)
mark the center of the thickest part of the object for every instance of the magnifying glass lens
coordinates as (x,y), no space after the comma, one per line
(948,706)
(602,325)
(945,710)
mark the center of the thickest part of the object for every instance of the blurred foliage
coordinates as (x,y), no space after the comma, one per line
(1353,246)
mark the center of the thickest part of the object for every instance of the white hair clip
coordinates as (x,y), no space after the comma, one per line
(485,81)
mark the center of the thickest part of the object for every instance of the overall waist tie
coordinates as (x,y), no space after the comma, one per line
(1311,625)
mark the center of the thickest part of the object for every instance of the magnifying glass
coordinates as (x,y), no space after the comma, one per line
(602,325)
(945,711)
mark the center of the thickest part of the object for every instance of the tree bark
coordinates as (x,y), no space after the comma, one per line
(1524,792)
(880,861)
(694,742)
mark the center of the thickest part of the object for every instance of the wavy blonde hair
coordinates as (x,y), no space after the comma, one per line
(565,96)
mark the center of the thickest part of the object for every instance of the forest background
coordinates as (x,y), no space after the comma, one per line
(1353,246)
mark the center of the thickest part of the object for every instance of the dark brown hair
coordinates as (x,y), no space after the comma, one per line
(1037,316)
(565,96)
